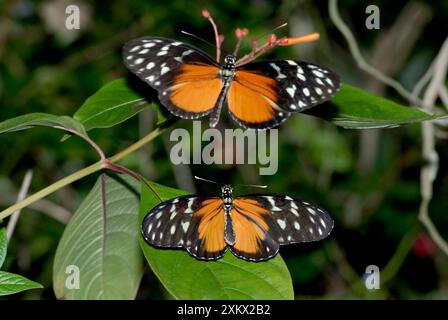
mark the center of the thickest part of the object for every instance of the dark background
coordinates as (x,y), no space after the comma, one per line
(368,180)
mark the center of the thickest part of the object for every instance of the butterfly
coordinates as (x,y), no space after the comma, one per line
(252,226)
(260,95)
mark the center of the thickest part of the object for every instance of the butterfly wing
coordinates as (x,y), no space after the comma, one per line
(187,79)
(195,223)
(265,93)
(264,222)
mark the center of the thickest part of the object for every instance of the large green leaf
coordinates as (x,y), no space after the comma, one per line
(354,108)
(3,245)
(12,283)
(111,105)
(31,120)
(101,241)
(227,278)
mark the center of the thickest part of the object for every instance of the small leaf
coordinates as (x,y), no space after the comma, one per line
(32,120)
(3,245)
(12,283)
(102,242)
(354,108)
(112,104)
(227,278)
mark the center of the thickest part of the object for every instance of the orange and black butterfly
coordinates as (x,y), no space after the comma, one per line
(259,95)
(252,226)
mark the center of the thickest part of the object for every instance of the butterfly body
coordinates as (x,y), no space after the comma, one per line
(253,227)
(259,95)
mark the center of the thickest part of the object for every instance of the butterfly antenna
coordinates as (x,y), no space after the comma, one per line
(199,38)
(210,181)
(253,185)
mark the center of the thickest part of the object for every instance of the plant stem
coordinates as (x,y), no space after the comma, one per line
(79,175)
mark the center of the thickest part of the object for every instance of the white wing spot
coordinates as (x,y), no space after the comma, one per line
(173,229)
(318,91)
(173,215)
(280,75)
(312,219)
(129,57)
(148,229)
(143,51)
(318,73)
(153,236)
(301,104)
(173,207)
(158,224)
(311,230)
(164,70)
(329,90)
(306,92)
(162,52)
(292,63)
(181,241)
(150,65)
(294,205)
(281,223)
(291,90)
(289,238)
(160,235)
(185,225)
(139,60)
(134,49)
(293,107)
(295,212)
(319,81)
(156,83)
(188,242)
(176,43)
(149,45)
(296,225)
(150,78)
(329,81)
(301,77)
(190,202)
(158,215)
(165,48)
(311,210)
(280,239)
(320,231)
(272,202)
(300,70)
(322,222)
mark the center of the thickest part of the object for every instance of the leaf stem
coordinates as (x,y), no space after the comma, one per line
(81,173)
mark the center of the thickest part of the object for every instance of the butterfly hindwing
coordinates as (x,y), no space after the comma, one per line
(279,220)
(185,77)
(300,85)
(195,223)
(253,101)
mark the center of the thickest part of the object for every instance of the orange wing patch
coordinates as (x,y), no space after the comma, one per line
(196,88)
(249,226)
(211,225)
(252,98)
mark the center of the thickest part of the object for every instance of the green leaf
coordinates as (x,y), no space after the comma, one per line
(32,120)
(3,245)
(111,105)
(227,278)
(354,108)
(12,283)
(102,242)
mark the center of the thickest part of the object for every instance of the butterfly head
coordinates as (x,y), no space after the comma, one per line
(230,59)
(227,191)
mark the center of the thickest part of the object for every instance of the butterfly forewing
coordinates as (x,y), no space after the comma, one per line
(279,220)
(185,77)
(301,85)
(195,223)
